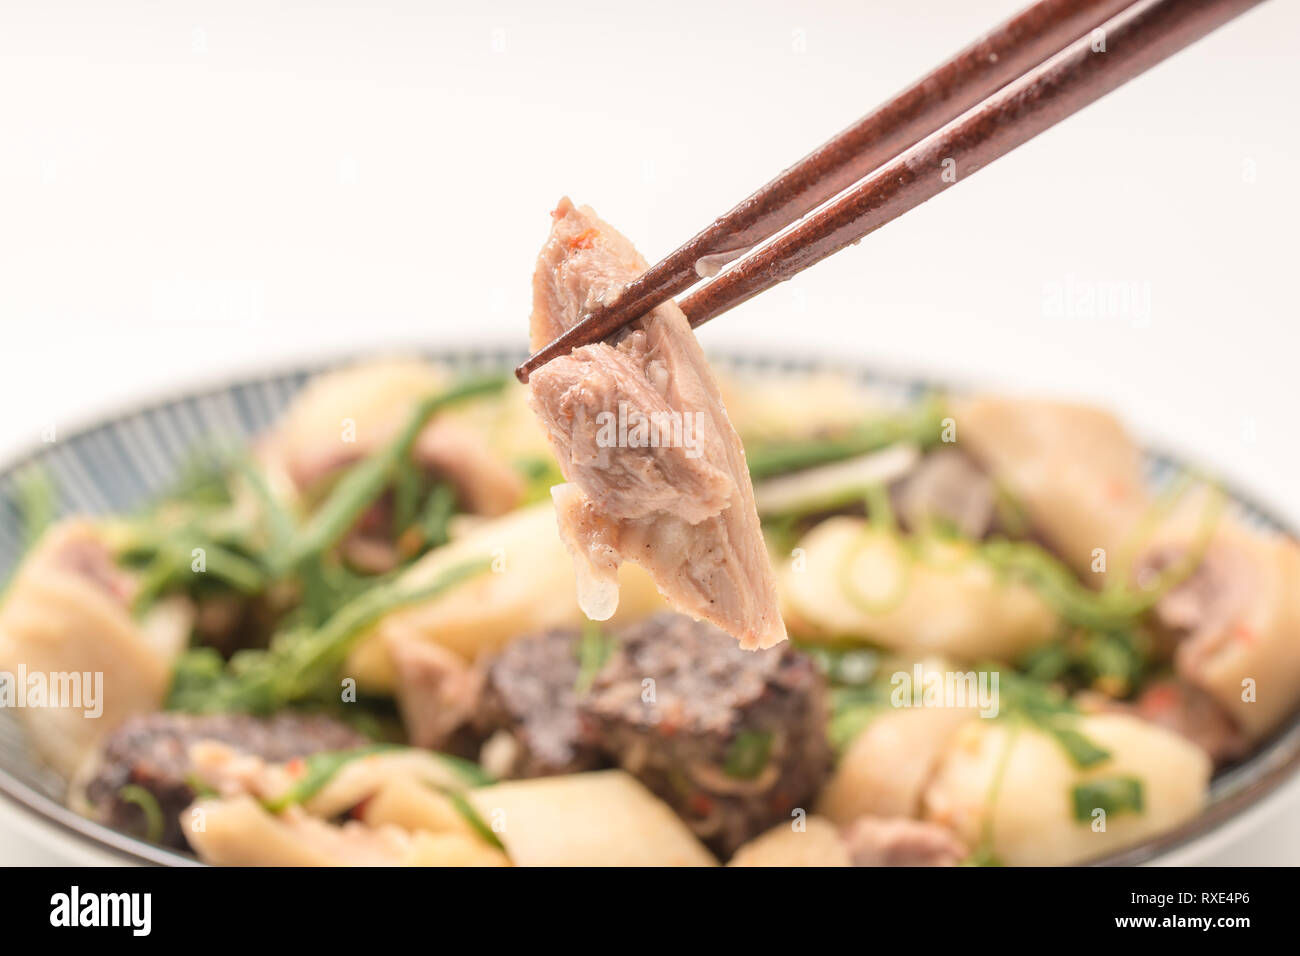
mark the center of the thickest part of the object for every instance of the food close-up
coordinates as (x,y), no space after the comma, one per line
(570,566)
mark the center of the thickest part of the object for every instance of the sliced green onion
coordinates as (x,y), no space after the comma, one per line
(594,648)
(471,816)
(1111,794)
(849,586)
(154,824)
(320,769)
(921,425)
(747,756)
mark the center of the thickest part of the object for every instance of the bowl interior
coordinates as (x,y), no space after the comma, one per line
(124,462)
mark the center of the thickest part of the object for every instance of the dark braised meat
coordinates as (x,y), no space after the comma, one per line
(733,740)
(152,751)
(530,694)
(947,487)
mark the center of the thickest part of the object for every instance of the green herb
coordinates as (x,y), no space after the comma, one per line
(1061,590)
(200,788)
(1112,663)
(37,503)
(541,473)
(747,755)
(365,481)
(407,482)
(1117,606)
(471,816)
(319,770)
(1082,751)
(154,823)
(852,708)
(202,480)
(880,510)
(470,773)
(1050,711)
(280,522)
(1111,794)
(595,647)
(921,424)
(844,665)
(300,663)
(437,515)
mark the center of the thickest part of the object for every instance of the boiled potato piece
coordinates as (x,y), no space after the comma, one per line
(349,412)
(1031,809)
(58,618)
(365,775)
(412,805)
(884,770)
(817,844)
(531,587)
(764,408)
(945,601)
(605,818)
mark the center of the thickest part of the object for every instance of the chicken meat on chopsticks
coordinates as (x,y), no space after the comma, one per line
(656,472)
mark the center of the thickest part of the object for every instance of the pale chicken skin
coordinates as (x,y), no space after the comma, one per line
(656,472)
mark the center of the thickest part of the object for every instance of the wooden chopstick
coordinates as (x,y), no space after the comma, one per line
(946,92)
(1136,39)
(1143,34)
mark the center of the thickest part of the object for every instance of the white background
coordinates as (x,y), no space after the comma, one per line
(191,190)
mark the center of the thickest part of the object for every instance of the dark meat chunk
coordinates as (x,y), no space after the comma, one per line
(530,694)
(733,740)
(899,841)
(152,751)
(947,487)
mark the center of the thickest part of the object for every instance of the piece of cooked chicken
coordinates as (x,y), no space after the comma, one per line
(656,472)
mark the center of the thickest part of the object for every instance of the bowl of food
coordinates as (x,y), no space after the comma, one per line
(215,696)
(645,610)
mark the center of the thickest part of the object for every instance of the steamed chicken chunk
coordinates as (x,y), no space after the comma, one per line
(656,471)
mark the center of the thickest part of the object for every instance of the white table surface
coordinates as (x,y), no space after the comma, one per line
(188,190)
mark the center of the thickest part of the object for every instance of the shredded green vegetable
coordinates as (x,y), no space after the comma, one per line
(37,504)
(319,770)
(366,480)
(594,648)
(748,754)
(154,823)
(921,424)
(300,664)
(437,515)
(472,817)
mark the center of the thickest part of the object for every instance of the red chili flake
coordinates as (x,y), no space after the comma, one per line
(359,811)
(296,767)
(1161,698)
(701,805)
(584,239)
(1244,634)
